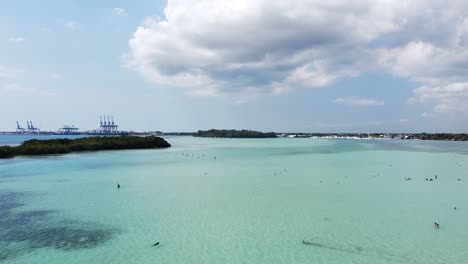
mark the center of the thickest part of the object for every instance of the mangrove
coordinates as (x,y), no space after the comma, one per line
(224,133)
(65,145)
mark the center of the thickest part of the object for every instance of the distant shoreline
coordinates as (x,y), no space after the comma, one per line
(222,133)
(402,136)
(225,133)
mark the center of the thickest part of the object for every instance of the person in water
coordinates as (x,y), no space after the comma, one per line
(155,244)
(118,185)
(436,225)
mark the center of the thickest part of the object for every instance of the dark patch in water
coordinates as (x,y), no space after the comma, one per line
(9,201)
(358,250)
(64,238)
(22,231)
(6,254)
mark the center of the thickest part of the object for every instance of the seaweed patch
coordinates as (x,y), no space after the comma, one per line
(22,231)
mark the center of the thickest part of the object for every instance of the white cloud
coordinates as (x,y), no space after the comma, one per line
(16,39)
(452,98)
(427,63)
(266,46)
(357,101)
(120,11)
(213,47)
(432,49)
(71,25)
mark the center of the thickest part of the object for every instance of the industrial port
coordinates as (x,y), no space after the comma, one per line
(107,126)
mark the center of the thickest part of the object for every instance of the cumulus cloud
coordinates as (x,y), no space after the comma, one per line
(263,46)
(71,25)
(432,49)
(120,11)
(357,101)
(16,39)
(212,47)
(451,98)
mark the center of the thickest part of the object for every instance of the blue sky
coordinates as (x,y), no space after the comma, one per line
(266,65)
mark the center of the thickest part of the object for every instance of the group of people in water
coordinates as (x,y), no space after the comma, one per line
(436,225)
(198,157)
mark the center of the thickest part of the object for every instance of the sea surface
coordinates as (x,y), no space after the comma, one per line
(239,201)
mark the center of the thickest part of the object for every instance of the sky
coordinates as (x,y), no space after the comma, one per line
(269,65)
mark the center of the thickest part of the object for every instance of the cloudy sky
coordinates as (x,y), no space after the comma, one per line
(271,65)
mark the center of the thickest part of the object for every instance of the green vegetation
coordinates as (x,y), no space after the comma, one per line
(439,136)
(61,146)
(7,152)
(223,133)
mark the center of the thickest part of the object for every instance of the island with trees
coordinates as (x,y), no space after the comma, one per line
(224,133)
(62,146)
(438,136)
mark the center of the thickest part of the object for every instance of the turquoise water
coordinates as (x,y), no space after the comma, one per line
(255,203)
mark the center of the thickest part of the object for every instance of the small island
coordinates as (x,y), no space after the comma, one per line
(224,133)
(62,146)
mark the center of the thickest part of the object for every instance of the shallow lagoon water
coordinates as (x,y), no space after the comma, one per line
(255,203)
